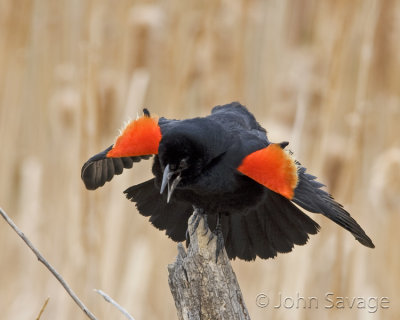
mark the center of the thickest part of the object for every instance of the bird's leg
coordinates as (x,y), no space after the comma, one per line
(187,237)
(220,237)
(205,225)
(198,214)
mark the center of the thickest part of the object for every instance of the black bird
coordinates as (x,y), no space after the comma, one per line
(225,166)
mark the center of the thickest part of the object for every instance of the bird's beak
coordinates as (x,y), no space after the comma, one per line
(167,175)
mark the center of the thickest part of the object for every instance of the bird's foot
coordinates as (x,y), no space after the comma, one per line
(196,221)
(220,239)
(198,214)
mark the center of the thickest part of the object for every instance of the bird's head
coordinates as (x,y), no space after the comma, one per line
(182,160)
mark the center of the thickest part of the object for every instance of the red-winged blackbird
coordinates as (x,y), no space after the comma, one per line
(224,165)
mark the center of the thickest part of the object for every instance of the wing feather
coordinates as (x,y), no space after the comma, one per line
(309,195)
(99,169)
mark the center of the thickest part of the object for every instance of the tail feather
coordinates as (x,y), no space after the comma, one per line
(262,246)
(294,222)
(241,244)
(276,225)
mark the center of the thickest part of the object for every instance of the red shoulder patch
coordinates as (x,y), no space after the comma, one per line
(140,137)
(273,168)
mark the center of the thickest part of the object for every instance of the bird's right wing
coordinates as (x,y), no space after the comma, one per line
(139,140)
(100,169)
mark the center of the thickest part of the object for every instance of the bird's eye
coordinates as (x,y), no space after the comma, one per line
(183,164)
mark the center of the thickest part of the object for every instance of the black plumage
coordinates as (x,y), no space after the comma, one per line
(198,159)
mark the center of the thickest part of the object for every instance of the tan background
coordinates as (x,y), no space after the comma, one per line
(323,74)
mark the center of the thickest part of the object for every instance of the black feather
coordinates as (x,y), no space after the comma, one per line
(310,196)
(172,217)
(99,169)
(146,112)
(255,221)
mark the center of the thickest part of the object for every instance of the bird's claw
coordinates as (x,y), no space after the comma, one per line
(187,237)
(220,241)
(220,245)
(206,228)
(198,214)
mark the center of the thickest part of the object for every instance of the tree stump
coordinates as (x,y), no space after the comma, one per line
(202,288)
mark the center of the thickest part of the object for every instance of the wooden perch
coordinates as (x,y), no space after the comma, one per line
(202,288)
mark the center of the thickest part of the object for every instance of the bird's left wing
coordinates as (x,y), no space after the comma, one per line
(275,169)
(139,140)
(309,195)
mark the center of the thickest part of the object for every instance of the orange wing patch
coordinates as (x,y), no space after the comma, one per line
(140,137)
(273,168)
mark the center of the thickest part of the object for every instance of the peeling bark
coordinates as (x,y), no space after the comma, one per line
(202,288)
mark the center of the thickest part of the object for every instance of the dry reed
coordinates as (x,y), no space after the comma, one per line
(323,74)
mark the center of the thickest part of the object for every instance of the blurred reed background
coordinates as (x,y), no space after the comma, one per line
(324,75)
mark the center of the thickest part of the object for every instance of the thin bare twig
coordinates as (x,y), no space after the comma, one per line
(43,307)
(48,265)
(114,303)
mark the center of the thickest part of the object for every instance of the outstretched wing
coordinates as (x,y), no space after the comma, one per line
(273,168)
(276,170)
(139,140)
(100,169)
(309,195)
